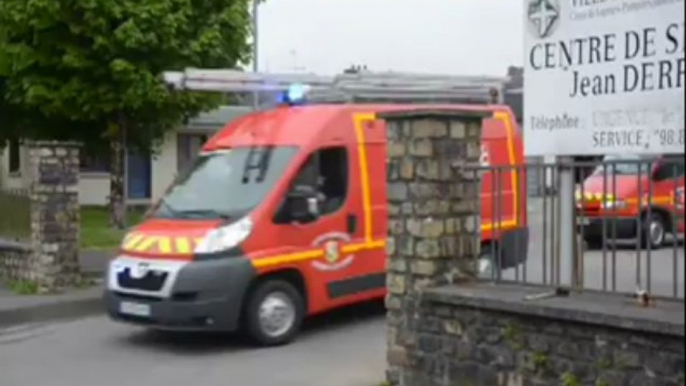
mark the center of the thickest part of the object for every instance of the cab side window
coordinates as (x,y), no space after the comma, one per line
(671,168)
(324,177)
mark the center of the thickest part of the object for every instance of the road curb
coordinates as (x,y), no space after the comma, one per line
(83,306)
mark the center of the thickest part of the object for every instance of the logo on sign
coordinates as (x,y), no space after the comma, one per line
(544,17)
(333,260)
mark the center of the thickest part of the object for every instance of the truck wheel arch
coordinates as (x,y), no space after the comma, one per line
(291,275)
(665,213)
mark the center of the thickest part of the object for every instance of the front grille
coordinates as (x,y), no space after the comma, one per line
(133,297)
(152,281)
(137,319)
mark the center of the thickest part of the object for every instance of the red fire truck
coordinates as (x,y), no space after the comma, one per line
(284,216)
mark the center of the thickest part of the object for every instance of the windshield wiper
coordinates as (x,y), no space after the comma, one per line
(203,213)
(173,211)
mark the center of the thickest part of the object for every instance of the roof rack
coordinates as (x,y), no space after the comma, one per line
(363,87)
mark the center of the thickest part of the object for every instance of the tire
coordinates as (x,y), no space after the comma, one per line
(655,231)
(275,300)
(593,243)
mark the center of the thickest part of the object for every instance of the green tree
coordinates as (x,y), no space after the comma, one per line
(89,70)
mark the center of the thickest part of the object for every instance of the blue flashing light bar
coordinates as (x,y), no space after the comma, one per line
(295,95)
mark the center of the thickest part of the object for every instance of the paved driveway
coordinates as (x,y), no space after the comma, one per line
(345,349)
(620,267)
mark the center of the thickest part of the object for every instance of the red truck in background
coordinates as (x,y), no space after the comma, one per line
(633,196)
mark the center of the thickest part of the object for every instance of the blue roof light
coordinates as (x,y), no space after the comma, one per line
(296,94)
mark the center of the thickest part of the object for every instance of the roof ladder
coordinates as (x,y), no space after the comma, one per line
(364,87)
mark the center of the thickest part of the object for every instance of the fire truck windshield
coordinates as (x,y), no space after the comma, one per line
(625,165)
(226,184)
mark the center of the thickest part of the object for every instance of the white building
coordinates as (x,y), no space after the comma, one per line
(148,177)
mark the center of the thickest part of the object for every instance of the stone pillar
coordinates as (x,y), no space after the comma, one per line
(55,214)
(434,217)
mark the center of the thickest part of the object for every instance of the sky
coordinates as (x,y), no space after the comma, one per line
(464,37)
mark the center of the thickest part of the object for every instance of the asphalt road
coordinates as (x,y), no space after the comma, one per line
(661,272)
(343,349)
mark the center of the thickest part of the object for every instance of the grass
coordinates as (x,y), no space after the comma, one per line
(569,379)
(96,233)
(23,287)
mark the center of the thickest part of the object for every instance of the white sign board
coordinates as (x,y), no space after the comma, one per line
(604,77)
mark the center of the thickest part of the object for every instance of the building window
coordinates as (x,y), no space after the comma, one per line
(188,148)
(14,156)
(94,160)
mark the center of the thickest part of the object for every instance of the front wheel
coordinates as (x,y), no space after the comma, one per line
(593,243)
(655,232)
(275,313)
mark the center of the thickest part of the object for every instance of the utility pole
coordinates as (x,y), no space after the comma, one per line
(255,48)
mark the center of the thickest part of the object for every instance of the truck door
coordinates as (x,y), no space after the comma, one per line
(334,231)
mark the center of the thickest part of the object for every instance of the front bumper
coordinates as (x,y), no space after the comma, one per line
(198,296)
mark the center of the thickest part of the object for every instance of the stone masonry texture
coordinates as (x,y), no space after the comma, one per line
(51,259)
(463,346)
(433,207)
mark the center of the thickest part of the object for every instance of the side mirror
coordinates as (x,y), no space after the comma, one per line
(313,206)
(664,170)
(303,204)
(655,168)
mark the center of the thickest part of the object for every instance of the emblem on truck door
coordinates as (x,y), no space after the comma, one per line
(332,244)
(331,251)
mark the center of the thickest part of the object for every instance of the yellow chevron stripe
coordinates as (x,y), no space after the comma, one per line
(146,244)
(183,245)
(164,245)
(131,240)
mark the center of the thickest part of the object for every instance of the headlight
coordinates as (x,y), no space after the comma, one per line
(617,204)
(225,238)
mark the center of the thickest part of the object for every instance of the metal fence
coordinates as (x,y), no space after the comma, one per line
(628,221)
(15,214)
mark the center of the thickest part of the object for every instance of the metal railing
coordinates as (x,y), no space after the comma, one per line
(629,227)
(15,214)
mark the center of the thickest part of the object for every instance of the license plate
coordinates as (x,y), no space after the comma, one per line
(583,221)
(135,309)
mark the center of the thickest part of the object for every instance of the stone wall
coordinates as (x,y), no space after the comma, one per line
(434,206)
(52,258)
(482,335)
(445,329)
(14,258)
